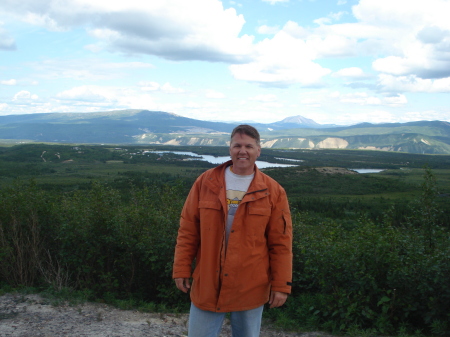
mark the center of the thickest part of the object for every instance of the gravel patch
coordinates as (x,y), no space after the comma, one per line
(34,316)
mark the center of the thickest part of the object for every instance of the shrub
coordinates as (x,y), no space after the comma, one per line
(26,218)
(375,275)
(98,240)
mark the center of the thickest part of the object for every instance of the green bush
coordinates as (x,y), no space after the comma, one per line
(352,276)
(26,218)
(96,239)
(375,275)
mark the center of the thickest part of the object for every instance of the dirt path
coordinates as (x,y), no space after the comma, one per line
(34,316)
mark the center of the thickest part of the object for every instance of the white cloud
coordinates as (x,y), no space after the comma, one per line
(9,82)
(386,12)
(281,61)
(290,56)
(264,98)
(90,69)
(149,86)
(88,93)
(428,115)
(312,102)
(376,115)
(6,41)
(337,16)
(273,2)
(409,46)
(395,100)
(357,98)
(352,72)
(95,98)
(214,94)
(155,86)
(412,83)
(418,38)
(431,34)
(293,29)
(422,61)
(27,82)
(414,43)
(94,48)
(268,30)
(167,88)
(360,98)
(234,3)
(173,29)
(330,18)
(44,21)
(322,21)
(23,96)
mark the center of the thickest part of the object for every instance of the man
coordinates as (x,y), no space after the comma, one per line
(236,226)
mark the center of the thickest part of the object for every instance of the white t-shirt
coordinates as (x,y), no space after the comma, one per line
(236,186)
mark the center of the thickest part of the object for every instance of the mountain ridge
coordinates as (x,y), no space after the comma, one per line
(138,126)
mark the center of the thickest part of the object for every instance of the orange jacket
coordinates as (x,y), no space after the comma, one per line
(259,252)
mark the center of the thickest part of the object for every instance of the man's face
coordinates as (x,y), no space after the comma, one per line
(243,152)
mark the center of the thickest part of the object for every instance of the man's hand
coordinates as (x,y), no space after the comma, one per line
(183,284)
(277,299)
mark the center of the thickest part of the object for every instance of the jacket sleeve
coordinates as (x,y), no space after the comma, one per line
(188,238)
(279,239)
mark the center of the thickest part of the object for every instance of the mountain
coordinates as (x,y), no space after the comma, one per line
(158,127)
(298,122)
(116,127)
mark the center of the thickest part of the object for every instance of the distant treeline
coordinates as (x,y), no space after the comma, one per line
(324,157)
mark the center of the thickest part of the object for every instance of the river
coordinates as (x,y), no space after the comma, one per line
(259,163)
(222,159)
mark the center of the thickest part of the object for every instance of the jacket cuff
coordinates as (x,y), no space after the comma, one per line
(181,275)
(281,286)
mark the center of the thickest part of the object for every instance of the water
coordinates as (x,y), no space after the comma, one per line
(259,163)
(222,159)
(288,159)
(367,170)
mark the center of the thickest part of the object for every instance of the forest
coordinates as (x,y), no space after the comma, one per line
(371,251)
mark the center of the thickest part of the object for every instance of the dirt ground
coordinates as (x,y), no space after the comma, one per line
(34,316)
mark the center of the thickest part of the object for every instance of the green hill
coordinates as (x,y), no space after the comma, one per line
(157,127)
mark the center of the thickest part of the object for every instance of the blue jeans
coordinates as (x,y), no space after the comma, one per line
(208,323)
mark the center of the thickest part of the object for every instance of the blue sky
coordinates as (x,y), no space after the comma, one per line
(333,61)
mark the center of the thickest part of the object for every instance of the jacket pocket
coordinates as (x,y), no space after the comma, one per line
(264,211)
(211,215)
(258,218)
(213,204)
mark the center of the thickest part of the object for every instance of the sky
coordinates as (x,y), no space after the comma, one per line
(333,61)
